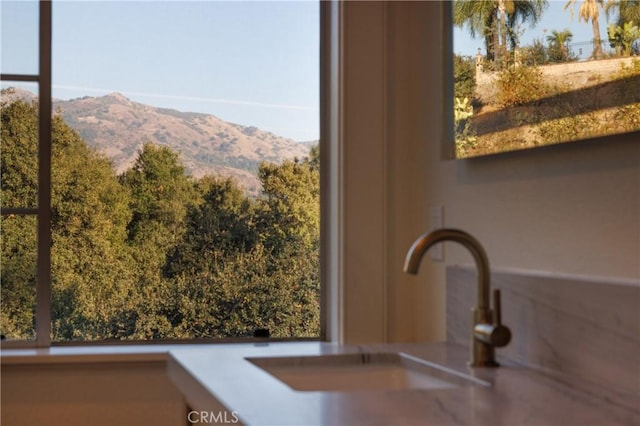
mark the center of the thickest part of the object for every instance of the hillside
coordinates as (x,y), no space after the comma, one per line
(563,103)
(117,127)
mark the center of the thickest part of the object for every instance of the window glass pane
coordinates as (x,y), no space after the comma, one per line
(19,37)
(17,288)
(185,187)
(19,136)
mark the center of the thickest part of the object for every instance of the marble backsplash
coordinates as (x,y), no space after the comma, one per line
(578,329)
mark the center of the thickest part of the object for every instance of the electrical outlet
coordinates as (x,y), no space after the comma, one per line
(436,221)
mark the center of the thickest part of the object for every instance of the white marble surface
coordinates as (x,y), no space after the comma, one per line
(583,331)
(219,377)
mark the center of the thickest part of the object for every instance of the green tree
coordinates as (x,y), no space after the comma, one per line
(288,221)
(536,54)
(495,21)
(91,265)
(222,225)
(18,180)
(247,264)
(18,279)
(464,77)
(622,37)
(19,131)
(289,212)
(89,213)
(480,19)
(161,194)
(153,253)
(200,269)
(558,45)
(249,291)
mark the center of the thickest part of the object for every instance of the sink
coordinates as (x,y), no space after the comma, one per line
(362,371)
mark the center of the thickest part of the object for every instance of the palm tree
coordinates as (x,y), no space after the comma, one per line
(589,11)
(479,16)
(628,10)
(558,41)
(525,11)
(496,19)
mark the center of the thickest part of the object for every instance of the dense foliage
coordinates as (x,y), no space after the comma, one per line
(154,253)
(520,85)
(464,77)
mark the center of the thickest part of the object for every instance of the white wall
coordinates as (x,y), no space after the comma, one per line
(570,209)
(96,394)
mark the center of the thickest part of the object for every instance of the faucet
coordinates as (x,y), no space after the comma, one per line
(487,332)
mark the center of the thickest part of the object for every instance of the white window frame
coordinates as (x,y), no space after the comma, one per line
(43,209)
(373,182)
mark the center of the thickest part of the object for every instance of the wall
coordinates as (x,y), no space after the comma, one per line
(580,330)
(579,70)
(571,209)
(90,393)
(566,209)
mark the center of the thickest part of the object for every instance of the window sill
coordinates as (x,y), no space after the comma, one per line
(102,353)
(85,354)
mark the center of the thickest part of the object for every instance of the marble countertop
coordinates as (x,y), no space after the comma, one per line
(218,379)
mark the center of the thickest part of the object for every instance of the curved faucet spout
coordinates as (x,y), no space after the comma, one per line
(425,241)
(487,331)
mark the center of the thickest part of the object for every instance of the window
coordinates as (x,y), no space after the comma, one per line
(183,203)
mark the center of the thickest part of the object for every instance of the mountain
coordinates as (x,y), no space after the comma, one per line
(117,127)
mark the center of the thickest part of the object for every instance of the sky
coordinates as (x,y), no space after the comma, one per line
(252,63)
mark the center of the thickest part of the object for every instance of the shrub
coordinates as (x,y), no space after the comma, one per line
(535,54)
(622,37)
(464,77)
(628,77)
(464,132)
(574,127)
(520,85)
(626,71)
(630,116)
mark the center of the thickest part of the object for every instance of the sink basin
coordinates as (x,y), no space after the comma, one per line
(363,371)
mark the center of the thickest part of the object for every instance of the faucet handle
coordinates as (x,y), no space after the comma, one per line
(497,308)
(495,334)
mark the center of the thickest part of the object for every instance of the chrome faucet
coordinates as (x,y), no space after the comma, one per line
(487,332)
